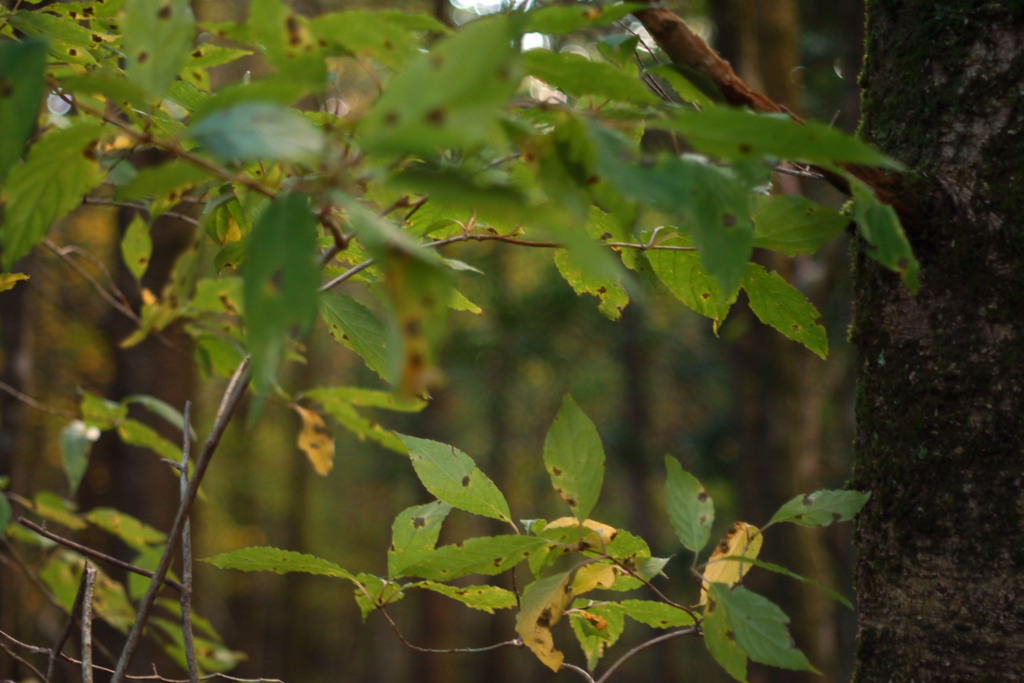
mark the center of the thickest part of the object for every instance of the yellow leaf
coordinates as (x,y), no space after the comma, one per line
(595,575)
(600,536)
(316,440)
(541,606)
(743,540)
(8,280)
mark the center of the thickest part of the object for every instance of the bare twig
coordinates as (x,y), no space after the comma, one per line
(94,554)
(63,638)
(186,556)
(120,306)
(229,402)
(688,631)
(90,582)
(31,402)
(515,642)
(141,206)
(581,671)
(21,660)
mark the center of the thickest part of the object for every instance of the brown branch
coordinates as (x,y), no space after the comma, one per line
(31,402)
(66,633)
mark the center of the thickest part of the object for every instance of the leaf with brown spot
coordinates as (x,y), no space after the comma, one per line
(315,440)
(541,607)
(742,540)
(574,457)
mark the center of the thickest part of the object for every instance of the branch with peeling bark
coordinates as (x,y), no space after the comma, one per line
(685,48)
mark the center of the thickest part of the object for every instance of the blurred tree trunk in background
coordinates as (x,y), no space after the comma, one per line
(940,569)
(782,390)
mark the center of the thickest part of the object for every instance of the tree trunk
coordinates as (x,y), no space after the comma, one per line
(940,572)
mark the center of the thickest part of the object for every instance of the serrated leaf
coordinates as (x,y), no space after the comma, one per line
(687,89)
(778,304)
(372,398)
(134,533)
(157,36)
(389,37)
(562,20)
(484,598)
(451,476)
(684,274)
(266,559)
(348,417)
(759,627)
(137,247)
(794,225)
(52,507)
(721,642)
(76,440)
(577,75)
(373,592)
(880,227)
(656,614)
(612,295)
(254,131)
(541,607)
(281,279)
(690,508)
(136,433)
(597,628)
(414,533)
(574,457)
(355,326)
(742,540)
(51,182)
(487,555)
(779,569)
(821,508)
(164,185)
(451,97)
(22,81)
(315,440)
(731,133)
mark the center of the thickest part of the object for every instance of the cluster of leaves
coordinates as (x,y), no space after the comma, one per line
(447,141)
(580,567)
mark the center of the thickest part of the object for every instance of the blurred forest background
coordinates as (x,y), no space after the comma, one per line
(756,417)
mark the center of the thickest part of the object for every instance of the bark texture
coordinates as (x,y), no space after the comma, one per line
(940,574)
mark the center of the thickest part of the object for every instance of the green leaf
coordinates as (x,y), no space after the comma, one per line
(76,440)
(779,569)
(157,36)
(373,592)
(574,457)
(161,409)
(597,628)
(730,133)
(878,224)
(52,507)
(355,326)
(414,533)
(342,410)
(98,411)
(484,598)
(134,533)
(488,555)
(138,434)
(5,513)
(777,303)
(686,89)
(165,184)
(690,508)
(721,642)
(562,20)
(684,274)
(759,627)
(137,247)
(821,508)
(612,295)
(450,475)
(392,38)
(265,559)
(541,607)
(281,278)
(577,76)
(22,81)
(794,225)
(451,97)
(656,614)
(373,398)
(52,181)
(255,131)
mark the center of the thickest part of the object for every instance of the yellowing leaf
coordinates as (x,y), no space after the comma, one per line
(743,540)
(8,280)
(541,606)
(601,535)
(316,441)
(592,576)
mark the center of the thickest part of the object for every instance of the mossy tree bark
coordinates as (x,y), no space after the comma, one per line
(940,574)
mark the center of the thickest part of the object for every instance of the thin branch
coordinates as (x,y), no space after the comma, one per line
(32,403)
(63,638)
(107,296)
(581,671)
(21,660)
(186,556)
(90,583)
(515,642)
(688,631)
(229,402)
(141,206)
(95,554)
